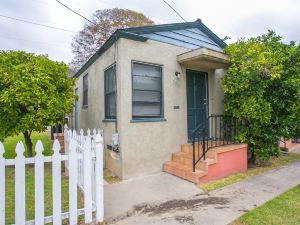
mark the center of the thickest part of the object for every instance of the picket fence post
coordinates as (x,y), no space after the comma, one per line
(66,138)
(81,136)
(84,151)
(87,180)
(2,185)
(20,216)
(56,183)
(72,182)
(94,133)
(39,184)
(99,177)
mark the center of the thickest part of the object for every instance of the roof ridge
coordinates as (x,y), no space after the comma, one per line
(157,25)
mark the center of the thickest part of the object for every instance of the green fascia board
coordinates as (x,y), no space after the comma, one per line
(113,38)
(163,27)
(212,35)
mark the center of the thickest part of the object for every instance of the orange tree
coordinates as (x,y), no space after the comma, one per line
(35,92)
(262,88)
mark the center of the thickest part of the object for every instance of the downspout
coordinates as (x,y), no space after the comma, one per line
(116,86)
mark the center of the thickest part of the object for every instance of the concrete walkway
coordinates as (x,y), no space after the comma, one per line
(164,199)
(122,197)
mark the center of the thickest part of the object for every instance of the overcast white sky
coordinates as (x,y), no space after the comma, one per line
(234,18)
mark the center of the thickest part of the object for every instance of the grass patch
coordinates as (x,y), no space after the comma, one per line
(9,145)
(11,142)
(282,210)
(10,194)
(274,162)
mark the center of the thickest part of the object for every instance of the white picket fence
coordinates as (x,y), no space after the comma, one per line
(86,154)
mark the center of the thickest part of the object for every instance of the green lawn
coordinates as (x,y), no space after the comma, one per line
(10,144)
(274,162)
(282,210)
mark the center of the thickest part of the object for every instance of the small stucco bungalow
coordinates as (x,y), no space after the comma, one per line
(148,88)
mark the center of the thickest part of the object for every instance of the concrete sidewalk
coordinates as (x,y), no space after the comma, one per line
(164,200)
(121,198)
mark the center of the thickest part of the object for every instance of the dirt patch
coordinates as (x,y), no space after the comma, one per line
(110,177)
(187,219)
(194,203)
(220,207)
(179,204)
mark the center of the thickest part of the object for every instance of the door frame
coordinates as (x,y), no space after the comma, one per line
(207,96)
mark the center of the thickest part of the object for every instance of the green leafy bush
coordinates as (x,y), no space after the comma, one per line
(262,88)
(35,92)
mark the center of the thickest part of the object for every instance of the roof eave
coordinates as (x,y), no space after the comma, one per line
(133,34)
(213,36)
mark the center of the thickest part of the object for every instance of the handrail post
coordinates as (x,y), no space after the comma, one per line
(194,169)
(203,143)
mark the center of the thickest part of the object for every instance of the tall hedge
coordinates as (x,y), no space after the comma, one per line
(262,88)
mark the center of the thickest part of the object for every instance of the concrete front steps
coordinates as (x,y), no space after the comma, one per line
(220,162)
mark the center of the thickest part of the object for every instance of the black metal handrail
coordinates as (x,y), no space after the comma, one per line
(215,131)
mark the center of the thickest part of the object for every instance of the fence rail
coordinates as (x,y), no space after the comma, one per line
(91,183)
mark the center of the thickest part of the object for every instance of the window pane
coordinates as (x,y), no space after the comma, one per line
(110,80)
(85,90)
(146,70)
(147,91)
(110,96)
(146,96)
(146,109)
(110,106)
(146,83)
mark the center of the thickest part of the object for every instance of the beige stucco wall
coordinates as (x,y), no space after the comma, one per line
(93,116)
(144,146)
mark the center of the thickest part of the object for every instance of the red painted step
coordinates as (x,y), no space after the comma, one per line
(219,162)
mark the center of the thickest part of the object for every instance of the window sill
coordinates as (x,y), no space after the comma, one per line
(85,106)
(109,120)
(147,120)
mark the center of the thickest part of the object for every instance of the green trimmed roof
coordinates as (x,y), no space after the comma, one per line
(191,35)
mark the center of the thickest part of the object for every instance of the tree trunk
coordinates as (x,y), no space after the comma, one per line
(28,143)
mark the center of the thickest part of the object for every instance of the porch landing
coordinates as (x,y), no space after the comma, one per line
(220,162)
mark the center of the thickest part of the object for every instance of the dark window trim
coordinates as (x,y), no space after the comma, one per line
(109,118)
(145,120)
(149,118)
(83,103)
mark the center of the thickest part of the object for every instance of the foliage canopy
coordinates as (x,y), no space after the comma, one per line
(262,88)
(34,93)
(106,21)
